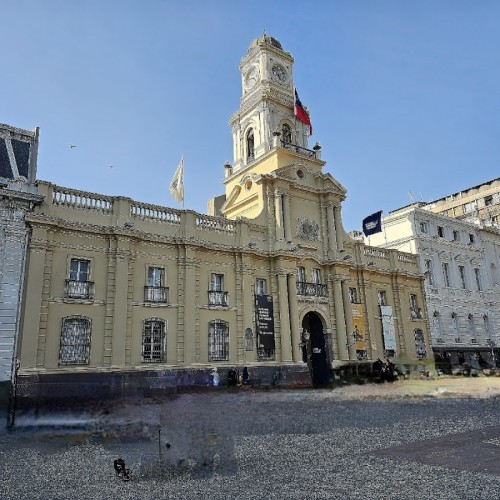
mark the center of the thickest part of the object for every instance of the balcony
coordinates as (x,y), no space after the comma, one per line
(79,289)
(156,294)
(216,298)
(311,289)
(297,149)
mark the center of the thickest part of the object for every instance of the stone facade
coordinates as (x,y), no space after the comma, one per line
(18,196)
(125,297)
(462,286)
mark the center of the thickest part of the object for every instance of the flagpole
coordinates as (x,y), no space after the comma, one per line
(183,173)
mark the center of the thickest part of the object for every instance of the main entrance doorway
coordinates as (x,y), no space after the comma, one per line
(315,349)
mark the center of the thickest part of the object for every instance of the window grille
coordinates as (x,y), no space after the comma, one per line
(153,341)
(218,340)
(75,341)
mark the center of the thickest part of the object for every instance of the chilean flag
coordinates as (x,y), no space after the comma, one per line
(301,113)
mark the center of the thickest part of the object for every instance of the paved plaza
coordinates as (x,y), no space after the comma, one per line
(412,440)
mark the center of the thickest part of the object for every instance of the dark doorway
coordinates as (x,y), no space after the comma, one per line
(316,349)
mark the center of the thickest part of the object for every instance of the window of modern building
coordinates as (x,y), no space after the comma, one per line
(456,235)
(75,341)
(446,274)
(260,286)
(461,272)
(440,231)
(477,275)
(218,340)
(424,227)
(155,291)
(429,269)
(353,295)
(382,298)
(78,285)
(153,340)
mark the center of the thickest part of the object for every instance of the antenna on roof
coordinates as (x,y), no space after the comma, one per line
(410,195)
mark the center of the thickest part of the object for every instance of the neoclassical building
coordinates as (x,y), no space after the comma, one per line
(461,260)
(18,157)
(125,296)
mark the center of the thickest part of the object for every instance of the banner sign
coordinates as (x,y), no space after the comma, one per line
(358,320)
(264,320)
(388,328)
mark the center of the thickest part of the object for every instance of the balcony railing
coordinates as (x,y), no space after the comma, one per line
(157,294)
(303,151)
(216,298)
(311,289)
(79,289)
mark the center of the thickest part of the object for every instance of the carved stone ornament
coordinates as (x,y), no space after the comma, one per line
(307,229)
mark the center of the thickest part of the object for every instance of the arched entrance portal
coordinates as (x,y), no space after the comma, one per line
(314,349)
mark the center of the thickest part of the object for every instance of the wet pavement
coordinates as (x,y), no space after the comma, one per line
(421,439)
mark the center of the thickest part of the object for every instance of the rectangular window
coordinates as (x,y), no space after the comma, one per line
(471,238)
(218,340)
(316,276)
(446,274)
(353,295)
(415,311)
(461,272)
(488,200)
(153,341)
(301,275)
(429,271)
(456,236)
(260,287)
(477,275)
(440,230)
(78,285)
(155,276)
(216,295)
(75,341)
(423,227)
(470,207)
(382,298)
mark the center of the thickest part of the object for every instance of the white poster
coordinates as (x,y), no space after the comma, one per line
(388,328)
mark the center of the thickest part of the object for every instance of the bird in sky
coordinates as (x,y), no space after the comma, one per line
(72,146)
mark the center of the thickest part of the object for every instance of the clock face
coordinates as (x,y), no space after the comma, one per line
(252,77)
(279,73)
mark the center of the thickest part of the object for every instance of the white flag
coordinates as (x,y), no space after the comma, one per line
(177,184)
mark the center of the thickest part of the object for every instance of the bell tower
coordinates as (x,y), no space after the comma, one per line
(267,103)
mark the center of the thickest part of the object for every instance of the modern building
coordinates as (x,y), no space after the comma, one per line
(125,297)
(462,288)
(18,156)
(480,204)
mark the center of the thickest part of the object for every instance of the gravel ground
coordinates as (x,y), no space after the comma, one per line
(303,444)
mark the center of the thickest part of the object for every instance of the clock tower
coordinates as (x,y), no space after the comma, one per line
(267,103)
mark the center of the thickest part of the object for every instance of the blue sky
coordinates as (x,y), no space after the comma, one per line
(403,95)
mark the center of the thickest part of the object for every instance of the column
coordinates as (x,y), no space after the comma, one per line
(338,227)
(332,230)
(294,318)
(286,217)
(120,308)
(340,320)
(278,207)
(348,320)
(285,335)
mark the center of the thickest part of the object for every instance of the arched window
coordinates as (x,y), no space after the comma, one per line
(286,133)
(153,340)
(250,145)
(218,340)
(75,341)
